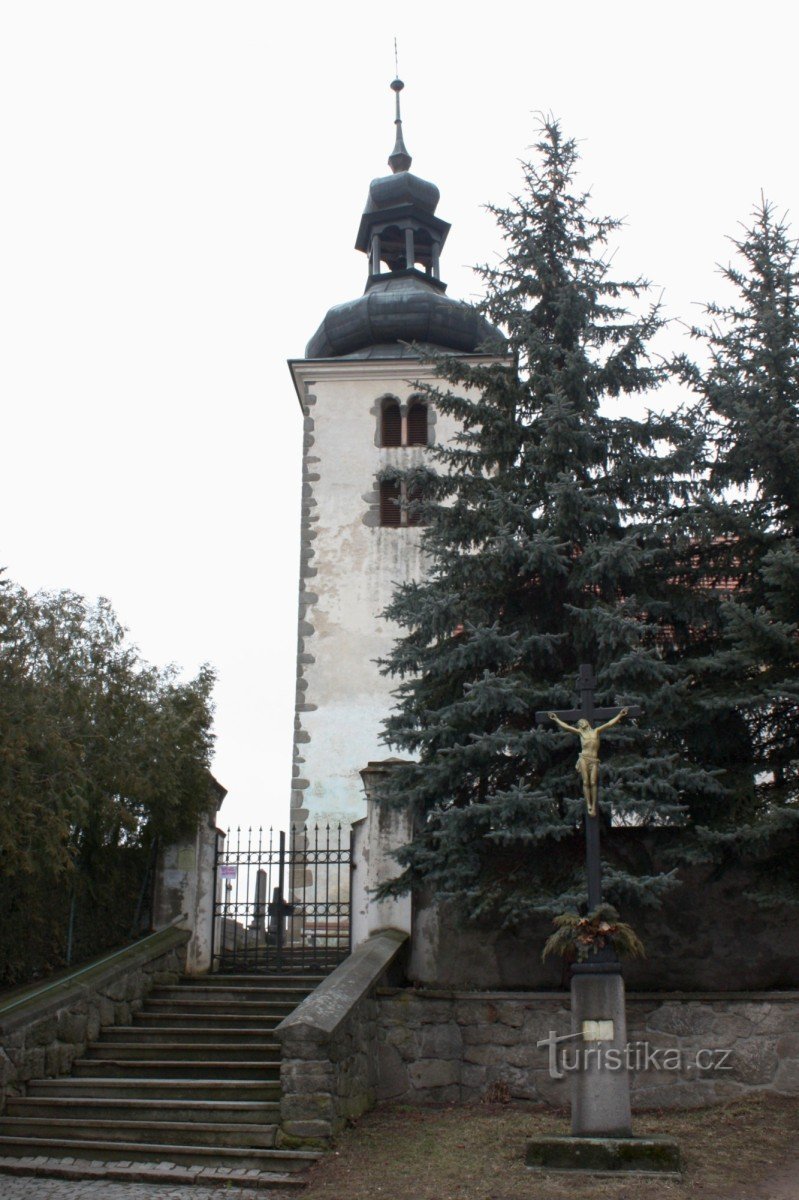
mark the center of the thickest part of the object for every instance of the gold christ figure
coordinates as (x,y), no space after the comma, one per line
(588,759)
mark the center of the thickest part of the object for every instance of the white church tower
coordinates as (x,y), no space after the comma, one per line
(356,389)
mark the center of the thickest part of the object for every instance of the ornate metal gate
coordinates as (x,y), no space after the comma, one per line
(282,903)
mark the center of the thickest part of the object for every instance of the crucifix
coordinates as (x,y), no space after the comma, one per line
(588,764)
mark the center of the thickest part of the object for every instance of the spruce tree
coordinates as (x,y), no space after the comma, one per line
(749,401)
(550,540)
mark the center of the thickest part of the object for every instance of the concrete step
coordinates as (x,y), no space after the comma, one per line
(220,1007)
(230,995)
(146,1035)
(87,1109)
(201,1020)
(251,1051)
(175,1068)
(128,1088)
(278,979)
(158,1152)
(172,1133)
(191,1085)
(254,961)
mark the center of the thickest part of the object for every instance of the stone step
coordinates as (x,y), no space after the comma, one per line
(185,1051)
(228,995)
(161,1152)
(255,961)
(85,1108)
(220,1007)
(257,964)
(148,1035)
(285,979)
(175,1068)
(166,1132)
(201,1020)
(124,1088)
(82,1169)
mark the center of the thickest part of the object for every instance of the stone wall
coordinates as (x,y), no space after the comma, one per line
(328,1066)
(438,1046)
(44,1029)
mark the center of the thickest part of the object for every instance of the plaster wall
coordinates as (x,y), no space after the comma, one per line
(185,891)
(349,568)
(376,836)
(706,934)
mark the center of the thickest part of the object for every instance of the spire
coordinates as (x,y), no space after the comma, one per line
(399,159)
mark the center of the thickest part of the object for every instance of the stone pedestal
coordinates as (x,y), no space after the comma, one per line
(601,1084)
(605,1156)
(602,1139)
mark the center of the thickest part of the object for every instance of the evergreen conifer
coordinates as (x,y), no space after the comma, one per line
(749,521)
(550,540)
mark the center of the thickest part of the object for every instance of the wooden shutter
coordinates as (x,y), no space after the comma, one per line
(417,425)
(390,513)
(391,425)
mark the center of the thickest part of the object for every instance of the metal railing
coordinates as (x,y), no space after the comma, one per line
(282,903)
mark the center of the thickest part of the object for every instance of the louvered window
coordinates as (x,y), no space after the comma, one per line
(417,425)
(391,431)
(390,511)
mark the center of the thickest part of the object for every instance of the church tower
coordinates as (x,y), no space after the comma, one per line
(362,416)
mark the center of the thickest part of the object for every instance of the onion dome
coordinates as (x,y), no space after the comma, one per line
(404,300)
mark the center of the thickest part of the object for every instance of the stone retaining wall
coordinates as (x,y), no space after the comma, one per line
(327,1072)
(45,1028)
(438,1046)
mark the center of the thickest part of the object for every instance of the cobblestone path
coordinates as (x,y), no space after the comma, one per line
(26,1187)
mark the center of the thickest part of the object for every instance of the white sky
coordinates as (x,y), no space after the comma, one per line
(183,182)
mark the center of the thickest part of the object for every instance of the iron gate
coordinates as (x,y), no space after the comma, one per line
(282,903)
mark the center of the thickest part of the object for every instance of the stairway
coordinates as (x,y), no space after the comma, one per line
(190,1091)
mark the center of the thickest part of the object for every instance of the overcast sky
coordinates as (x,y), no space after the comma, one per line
(183,182)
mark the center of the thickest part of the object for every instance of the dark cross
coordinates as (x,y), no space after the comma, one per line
(589,711)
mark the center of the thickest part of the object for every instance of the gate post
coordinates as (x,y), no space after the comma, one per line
(185,885)
(384,829)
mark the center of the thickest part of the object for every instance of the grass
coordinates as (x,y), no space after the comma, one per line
(457,1152)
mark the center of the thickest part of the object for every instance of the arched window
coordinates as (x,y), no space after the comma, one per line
(423,245)
(390,511)
(392,248)
(391,424)
(417,424)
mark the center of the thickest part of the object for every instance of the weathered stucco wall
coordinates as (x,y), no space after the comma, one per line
(439,1046)
(349,567)
(185,889)
(383,830)
(707,935)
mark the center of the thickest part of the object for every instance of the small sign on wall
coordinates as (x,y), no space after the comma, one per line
(597,1031)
